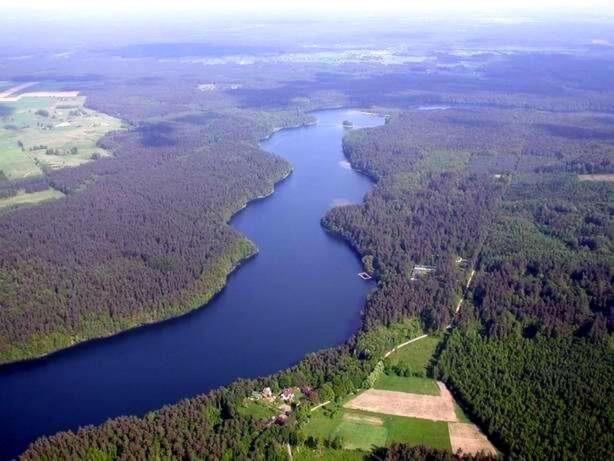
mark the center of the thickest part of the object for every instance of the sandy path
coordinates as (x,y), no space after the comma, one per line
(396,348)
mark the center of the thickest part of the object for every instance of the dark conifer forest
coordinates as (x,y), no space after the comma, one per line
(489,224)
(539,311)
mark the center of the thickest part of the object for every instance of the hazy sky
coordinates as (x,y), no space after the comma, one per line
(264,7)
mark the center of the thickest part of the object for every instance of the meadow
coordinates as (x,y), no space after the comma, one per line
(44,133)
(358,430)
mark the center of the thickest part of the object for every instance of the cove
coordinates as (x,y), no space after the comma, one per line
(300,294)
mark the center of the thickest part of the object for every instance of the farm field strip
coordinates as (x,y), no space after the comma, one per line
(468,438)
(52,129)
(434,408)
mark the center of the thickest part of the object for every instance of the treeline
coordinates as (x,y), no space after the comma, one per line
(139,238)
(540,398)
(211,427)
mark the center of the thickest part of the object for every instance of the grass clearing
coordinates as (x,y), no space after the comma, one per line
(14,163)
(411,384)
(460,414)
(24,198)
(326,454)
(596,177)
(357,430)
(416,356)
(361,436)
(257,410)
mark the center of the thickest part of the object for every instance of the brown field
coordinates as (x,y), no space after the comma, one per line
(434,408)
(596,177)
(7,95)
(469,439)
(371,420)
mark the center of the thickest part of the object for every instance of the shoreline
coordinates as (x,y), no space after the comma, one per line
(31,360)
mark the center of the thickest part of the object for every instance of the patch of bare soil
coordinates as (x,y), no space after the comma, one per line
(434,408)
(469,439)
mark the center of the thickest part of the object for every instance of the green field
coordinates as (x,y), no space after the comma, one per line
(460,414)
(257,410)
(410,384)
(30,198)
(362,430)
(326,454)
(49,132)
(415,356)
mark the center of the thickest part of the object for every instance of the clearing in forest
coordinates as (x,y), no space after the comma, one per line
(46,130)
(410,384)
(434,408)
(596,177)
(363,431)
(415,357)
(49,132)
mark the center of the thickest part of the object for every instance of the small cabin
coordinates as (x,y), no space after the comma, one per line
(348,124)
(420,270)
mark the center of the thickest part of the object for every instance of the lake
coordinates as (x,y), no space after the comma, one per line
(300,294)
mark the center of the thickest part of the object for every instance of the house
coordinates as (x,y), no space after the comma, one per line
(267,393)
(287,395)
(420,270)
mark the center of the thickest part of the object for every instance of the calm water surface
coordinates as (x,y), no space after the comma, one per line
(300,294)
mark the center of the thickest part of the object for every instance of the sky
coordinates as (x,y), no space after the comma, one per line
(349,7)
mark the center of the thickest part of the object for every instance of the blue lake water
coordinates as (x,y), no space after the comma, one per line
(300,294)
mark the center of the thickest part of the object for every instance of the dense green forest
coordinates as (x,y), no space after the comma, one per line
(536,324)
(493,183)
(540,397)
(68,269)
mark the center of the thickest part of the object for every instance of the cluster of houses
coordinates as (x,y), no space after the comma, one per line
(421,270)
(284,398)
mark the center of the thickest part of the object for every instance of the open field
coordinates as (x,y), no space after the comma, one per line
(596,177)
(409,384)
(38,94)
(434,408)
(361,430)
(49,132)
(10,91)
(257,410)
(326,454)
(415,356)
(24,198)
(469,439)
(404,413)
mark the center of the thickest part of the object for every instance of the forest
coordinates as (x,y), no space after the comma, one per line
(498,189)
(492,180)
(68,269)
